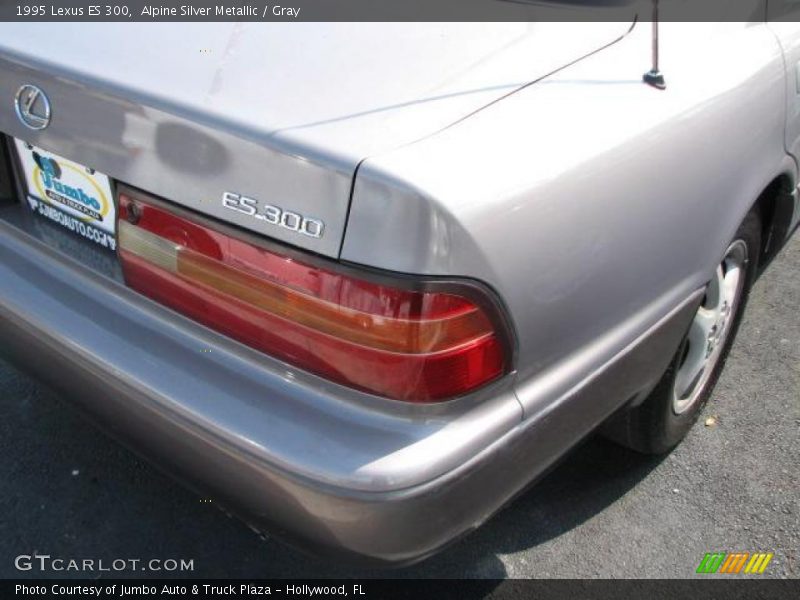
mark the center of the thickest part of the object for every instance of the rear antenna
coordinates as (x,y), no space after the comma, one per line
(654,76)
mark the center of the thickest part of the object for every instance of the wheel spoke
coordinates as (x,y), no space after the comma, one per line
(694,364)
(730,287)
(704,321)
(715,293)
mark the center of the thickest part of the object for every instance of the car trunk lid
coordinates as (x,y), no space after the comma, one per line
(278,114)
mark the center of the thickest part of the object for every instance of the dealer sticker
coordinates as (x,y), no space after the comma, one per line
(69,194)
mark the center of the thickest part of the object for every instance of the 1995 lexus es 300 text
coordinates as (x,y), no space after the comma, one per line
(362,283)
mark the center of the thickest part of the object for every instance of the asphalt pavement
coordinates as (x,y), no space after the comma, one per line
(68,490)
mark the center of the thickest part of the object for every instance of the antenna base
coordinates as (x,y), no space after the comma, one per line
(655,79)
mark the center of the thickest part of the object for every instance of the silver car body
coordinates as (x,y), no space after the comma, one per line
(529,157)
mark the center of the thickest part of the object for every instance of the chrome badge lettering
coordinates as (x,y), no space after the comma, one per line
(274,215)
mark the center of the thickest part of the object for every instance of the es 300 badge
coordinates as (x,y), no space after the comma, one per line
(69,194)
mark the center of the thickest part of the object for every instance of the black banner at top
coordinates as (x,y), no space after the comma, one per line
(394,10)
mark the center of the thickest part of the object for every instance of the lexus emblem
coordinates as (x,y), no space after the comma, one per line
(32,106)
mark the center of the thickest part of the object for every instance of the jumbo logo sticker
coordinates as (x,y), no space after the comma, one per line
(48,181)
(78,191)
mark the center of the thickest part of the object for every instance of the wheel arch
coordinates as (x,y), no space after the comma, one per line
(775,205)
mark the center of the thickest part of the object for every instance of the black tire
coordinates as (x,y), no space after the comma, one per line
(653,427)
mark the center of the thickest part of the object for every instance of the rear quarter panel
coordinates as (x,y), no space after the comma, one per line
(591,202)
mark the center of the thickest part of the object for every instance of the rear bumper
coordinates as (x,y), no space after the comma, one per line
(327,469)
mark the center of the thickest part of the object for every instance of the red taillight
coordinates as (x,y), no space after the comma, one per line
(414,345)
